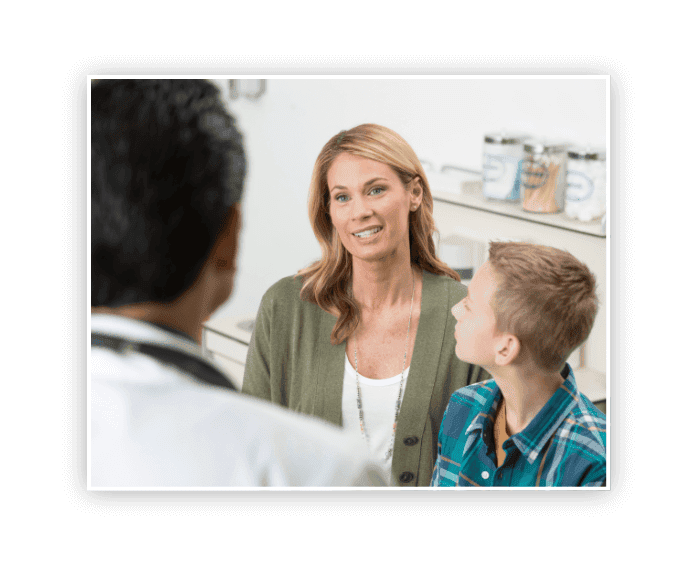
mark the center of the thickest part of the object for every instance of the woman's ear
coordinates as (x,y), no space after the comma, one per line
(416,193)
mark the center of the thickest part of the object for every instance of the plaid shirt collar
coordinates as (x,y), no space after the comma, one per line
(532,439)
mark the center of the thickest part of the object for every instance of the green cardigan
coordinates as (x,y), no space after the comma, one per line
(291,362)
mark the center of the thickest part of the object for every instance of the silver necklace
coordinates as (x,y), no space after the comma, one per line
(363,430)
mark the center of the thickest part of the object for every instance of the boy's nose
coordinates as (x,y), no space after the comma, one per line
(457,310)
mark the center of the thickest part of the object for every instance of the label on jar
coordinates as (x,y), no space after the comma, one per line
(586,189)
(501,177)
(501,171)
(579,186)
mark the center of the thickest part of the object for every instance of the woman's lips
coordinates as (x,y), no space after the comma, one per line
(367,233)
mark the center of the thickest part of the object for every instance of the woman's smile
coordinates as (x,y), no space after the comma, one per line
(368,234)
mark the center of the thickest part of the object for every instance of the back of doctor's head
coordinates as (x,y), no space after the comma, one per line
(167,163)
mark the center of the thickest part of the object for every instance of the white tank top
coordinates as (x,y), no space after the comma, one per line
(379,405)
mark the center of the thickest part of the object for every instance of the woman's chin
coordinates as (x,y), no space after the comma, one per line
(374,254)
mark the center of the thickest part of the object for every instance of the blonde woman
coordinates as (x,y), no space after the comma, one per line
(364,337)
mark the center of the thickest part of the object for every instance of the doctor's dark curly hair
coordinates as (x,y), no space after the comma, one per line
(167,164)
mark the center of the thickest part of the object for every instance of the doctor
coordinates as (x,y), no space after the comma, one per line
(168,167)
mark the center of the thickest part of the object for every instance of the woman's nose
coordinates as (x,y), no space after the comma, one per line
(361,208)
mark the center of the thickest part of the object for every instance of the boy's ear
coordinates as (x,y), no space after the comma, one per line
(507,349)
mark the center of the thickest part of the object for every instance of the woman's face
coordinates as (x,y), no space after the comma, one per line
(369,207)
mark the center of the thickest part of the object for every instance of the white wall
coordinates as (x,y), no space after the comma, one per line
(444,120)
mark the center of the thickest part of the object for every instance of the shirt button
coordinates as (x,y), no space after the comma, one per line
(406,477)
(410,441)
(485,475)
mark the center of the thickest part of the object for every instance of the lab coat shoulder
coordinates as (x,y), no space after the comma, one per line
(155,426)
(313,453)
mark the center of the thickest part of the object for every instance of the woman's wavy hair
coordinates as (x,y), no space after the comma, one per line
(326,282)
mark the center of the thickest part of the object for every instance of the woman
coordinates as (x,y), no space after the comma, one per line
(364,337)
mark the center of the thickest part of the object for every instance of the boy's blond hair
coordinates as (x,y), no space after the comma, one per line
(545,297)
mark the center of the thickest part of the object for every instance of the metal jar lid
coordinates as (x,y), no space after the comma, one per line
(587,153)
(539,146)
(503,138)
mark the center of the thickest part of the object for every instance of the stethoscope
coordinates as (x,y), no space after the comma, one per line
(196,367)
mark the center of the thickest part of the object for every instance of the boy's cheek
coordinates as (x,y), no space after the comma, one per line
(461,346)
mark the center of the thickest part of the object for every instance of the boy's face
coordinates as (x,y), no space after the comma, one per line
(476,330)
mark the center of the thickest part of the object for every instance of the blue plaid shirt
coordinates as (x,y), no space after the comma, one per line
(564,445)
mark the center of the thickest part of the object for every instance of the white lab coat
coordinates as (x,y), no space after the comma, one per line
(154,426)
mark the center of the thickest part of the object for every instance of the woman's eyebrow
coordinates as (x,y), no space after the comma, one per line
(368,183)
(377,179)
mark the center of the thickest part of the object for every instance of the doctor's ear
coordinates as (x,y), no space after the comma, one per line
(507,350)
(225,250)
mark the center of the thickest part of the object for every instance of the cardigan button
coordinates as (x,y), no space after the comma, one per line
(410,441)
(406,477)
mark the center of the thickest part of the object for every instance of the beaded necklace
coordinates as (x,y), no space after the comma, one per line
(363,429)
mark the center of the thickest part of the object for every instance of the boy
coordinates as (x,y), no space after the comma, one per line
(528,307)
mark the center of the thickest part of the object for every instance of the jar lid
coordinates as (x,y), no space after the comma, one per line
(589,153)
(545,146)
(503,138)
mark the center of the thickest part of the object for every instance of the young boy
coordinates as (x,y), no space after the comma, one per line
(528,307)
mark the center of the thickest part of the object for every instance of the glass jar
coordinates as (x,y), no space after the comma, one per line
(586,183)
(543,176)
(502,155)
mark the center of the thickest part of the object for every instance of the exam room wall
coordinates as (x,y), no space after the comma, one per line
(443,120)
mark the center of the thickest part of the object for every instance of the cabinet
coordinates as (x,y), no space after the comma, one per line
(467,218)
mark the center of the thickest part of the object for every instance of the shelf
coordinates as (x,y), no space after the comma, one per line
(471,196)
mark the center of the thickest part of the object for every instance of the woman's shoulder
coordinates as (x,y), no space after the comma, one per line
(284,292)
(444,287)
(283,302)
(285,288)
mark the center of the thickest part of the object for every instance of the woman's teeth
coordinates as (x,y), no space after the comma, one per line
(368,232)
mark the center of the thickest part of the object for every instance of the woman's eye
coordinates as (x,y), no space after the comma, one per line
(377,190)
(341,198)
